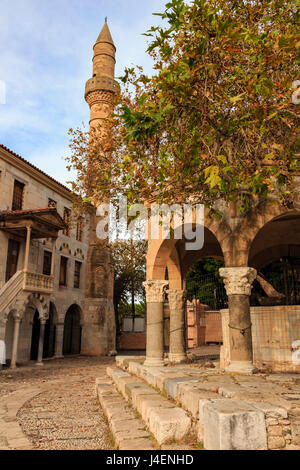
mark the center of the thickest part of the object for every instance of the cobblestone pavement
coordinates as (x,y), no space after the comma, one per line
(53,407)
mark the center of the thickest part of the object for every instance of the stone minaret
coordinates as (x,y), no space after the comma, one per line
(100,89)
(98,332)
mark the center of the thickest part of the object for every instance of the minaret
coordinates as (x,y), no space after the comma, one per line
(100,89)
(99,331)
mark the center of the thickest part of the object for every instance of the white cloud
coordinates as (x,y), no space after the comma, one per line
(46,50)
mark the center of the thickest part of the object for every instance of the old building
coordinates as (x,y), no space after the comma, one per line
(56,284)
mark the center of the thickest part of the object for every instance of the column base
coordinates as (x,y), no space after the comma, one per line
(154,362)
(58,357)
(241,367)
(39,364)
(177,357)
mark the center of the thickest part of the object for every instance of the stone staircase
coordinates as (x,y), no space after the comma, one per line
(24,282)
(175,404)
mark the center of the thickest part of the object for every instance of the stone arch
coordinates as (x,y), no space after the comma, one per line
(171,254)
(65,249)
(252,224)
(72,330)
(278,236)
(38,302)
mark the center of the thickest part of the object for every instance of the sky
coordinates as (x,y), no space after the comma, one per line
(46,49)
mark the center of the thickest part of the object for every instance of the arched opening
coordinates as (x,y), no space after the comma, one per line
(275,253)
(72,331)
(50,333)
(204,283)
(35,336)
(9,332)
(275,299)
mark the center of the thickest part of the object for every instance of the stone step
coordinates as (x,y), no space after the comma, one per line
(164,420)
(128,431)
(229,412)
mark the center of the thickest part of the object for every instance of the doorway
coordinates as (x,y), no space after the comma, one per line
(72,332)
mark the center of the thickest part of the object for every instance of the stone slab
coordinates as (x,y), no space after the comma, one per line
(171,385)
(233,425)
(137,444)
(168,424)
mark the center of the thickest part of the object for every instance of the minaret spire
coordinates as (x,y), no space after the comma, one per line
(100,88)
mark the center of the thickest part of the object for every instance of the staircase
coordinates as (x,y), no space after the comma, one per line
(24,281)
(185,407)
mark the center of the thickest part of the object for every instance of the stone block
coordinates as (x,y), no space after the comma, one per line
(146,403)
(270,411)
(276,442)
(168,424)
(134,368)
(171,385)
(143,390)
(121,383)
(232,425)
(152,376)
(189,396)
(130,434)
(136,444)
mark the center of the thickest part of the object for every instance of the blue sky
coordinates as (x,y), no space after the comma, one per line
(46,49)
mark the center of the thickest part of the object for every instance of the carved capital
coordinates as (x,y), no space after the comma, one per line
(176,298)
(17,316)
(155,290)
(238,280)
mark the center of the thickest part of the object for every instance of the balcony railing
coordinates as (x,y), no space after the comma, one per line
(34,282)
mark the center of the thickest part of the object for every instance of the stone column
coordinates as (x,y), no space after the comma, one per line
(59,341)
(177,352)
(3,322)
(53,256)
(238,283)
(27,248)
(41,342)
(155,291)
(14,354)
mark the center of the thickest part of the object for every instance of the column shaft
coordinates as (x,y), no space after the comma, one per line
(238,282)
(155,322)
(177,352)
(15,344)
(41,343)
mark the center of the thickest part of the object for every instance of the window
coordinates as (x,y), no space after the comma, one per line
(17,203)
(47,263)
(63,271)
(52,203)
(67,220)
(79,229)
(77,274)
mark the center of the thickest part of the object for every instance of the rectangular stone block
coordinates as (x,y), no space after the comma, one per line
(145,404)
(121,383)
(171,385)
(134,368)
(233,425)
(137,391)
(168,424)
(189,396)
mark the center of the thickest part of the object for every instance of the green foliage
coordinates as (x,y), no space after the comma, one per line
(204,283)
